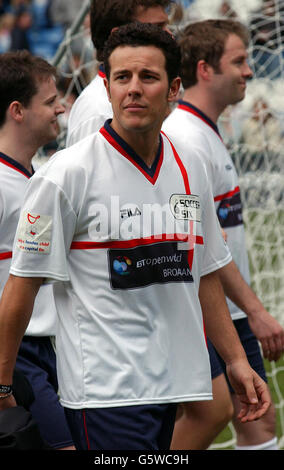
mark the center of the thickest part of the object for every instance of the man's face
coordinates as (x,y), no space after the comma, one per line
(40,116)
(138,89)
(230,81)
(155,15)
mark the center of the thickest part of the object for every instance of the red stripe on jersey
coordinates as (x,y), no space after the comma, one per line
(6,255)
(181,166)
(101,73)
(192,238)
(177,237)
(13,167)
(123,152)
(228,194)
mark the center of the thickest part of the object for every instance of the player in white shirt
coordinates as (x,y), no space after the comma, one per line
(28,120)
(13,182)
(214,76)
(92,108)
(127,283)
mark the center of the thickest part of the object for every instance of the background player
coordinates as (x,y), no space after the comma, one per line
(119,346)
(29,107)
(214,73)
(92,108)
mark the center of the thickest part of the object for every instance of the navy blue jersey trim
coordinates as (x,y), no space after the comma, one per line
(201,114)
(101,71)
(138,160)
(16,165)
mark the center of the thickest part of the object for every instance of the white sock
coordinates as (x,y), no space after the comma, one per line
(268,445)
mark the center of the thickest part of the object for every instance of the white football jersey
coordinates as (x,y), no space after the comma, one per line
(13,182)
(128,245)
(195,130)
(90,111)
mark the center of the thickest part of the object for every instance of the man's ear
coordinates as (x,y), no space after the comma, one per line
(174,89)
(16,111)
(106,84)
(204,70)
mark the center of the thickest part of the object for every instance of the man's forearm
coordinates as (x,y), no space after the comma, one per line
(218,323)
(238,291)
(251,390)
(16,307)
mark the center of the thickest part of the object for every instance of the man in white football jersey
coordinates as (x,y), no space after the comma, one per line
(129,235)
(92,108)
(29,107)
(214,72)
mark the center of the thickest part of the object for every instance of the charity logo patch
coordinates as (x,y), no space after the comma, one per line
(34,233)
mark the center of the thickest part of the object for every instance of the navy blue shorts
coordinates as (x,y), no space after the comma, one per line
(251,347)
(37,361)
(143,427)
(215,365)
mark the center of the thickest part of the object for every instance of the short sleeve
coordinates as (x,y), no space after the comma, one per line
(44,233)
(216,250)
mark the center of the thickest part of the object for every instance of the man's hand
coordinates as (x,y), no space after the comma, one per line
(251,390)
(266,329)
(270,334)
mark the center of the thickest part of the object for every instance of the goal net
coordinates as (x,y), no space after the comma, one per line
(253,130)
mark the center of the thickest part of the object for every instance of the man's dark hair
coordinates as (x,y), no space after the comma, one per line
(205,40)
(108,14)
(144,34)
(20,75)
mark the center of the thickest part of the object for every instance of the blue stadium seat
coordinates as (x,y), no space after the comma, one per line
(44,42)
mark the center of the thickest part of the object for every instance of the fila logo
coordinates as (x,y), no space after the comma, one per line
(129,212)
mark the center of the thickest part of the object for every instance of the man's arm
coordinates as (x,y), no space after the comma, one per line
(16,308)
(250,388)
(267,330)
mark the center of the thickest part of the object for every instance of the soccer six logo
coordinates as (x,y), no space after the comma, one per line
(185,207)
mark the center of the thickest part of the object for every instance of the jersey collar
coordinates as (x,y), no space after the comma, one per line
(122,146)
(101,71)
(8,161)
(190,108)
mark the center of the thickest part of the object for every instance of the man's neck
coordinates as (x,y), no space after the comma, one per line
(15,147)
(203,101)
(145,144)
